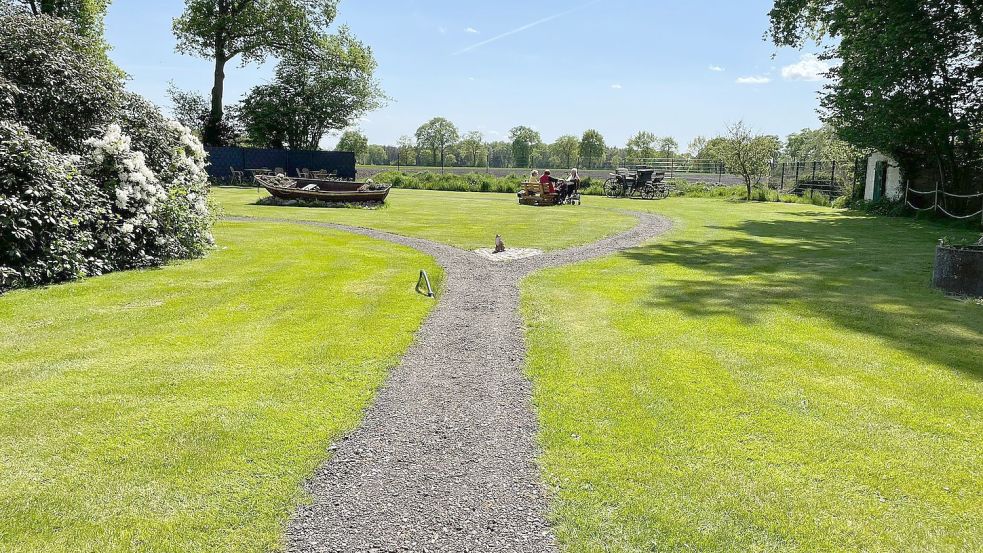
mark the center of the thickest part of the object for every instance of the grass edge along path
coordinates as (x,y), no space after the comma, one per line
(180,409)
(765,377)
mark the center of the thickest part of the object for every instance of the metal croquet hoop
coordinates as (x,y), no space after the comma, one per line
(424,279)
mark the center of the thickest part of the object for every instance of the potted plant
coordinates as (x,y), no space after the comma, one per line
(959,268)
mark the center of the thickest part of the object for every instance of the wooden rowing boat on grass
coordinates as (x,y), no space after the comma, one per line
(323,190)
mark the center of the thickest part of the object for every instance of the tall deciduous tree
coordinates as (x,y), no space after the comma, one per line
(566,149)
(377,155)
(436,135)
(500,154)
(640,146)
(818,145)
(354,142)
(524,141)
(252,30)
(471,146)
(696,146)
(668,147)
(748,155)
(909,81)
(592,147)
(86,16)
(310,98)
(407,150)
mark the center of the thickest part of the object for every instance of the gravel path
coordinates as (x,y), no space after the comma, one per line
(445,459)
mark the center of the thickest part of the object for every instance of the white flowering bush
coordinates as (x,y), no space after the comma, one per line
(132,237)
(50,214)
(92,178)
(179,160)
(155,216)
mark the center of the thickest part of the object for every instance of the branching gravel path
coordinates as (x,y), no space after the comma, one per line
(445,459)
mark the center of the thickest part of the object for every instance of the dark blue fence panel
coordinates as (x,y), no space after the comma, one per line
(265,159)
(223,160)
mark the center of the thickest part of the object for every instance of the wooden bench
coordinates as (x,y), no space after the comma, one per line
(536,194)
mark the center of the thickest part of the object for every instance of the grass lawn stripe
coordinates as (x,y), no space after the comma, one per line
(765,377)
(180,409)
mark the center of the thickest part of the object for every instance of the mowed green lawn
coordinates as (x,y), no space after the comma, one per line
(180,409)
(767,377)
(464,220)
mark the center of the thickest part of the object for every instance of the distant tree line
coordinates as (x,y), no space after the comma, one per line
(739,151)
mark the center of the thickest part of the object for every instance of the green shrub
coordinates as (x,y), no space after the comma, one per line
(883,206)
(91,179)
(473,182)
(61,86)
(50,215)
(152,220)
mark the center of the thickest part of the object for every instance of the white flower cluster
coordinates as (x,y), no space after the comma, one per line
(138,191)
(188,168)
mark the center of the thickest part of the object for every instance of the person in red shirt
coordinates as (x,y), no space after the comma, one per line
(548,182)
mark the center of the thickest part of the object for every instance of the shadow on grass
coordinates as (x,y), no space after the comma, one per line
(866,274)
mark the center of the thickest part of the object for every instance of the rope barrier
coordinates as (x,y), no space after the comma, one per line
(977,214)
(920,208)
(937,206)
(963,195)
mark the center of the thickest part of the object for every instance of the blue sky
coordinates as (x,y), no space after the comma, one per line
(560,66)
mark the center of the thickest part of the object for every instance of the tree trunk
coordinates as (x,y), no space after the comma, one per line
(212,134)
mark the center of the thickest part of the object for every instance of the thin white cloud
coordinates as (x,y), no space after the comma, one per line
(808,68)
(525,27)
(753,80)
(471,30)
(616,86)
(442,30)
(716,68)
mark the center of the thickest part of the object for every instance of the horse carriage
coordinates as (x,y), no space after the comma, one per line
(643,182)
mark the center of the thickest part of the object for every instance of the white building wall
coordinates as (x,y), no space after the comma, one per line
(894,187)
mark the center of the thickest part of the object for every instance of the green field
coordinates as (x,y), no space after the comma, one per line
(768,377)
(180,409)
(470,221)
(764,377)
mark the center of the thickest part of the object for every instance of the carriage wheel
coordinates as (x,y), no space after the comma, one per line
(662,193)
(648,192)
(613,188)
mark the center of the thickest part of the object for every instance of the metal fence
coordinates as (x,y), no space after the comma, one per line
(833,178)
(709,170)
(222,161)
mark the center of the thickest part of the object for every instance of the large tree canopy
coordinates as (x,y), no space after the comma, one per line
(524,142)
(640,146)
(592,147)
(86,16)
(821,144)
(253,30)
(909,80)
(436,135)
(309,98)
(56,82)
